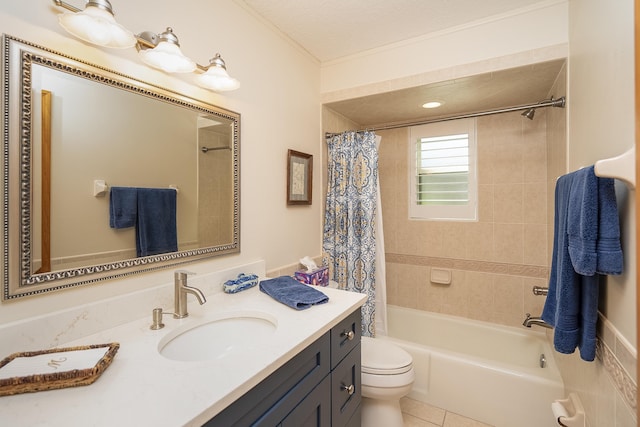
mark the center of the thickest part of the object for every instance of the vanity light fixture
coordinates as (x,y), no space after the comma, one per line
(162,51)
(96,24)
(216,76)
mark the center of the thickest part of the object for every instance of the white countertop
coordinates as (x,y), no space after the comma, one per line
(143,388)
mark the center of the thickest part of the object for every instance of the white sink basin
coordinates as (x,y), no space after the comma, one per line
(218,337)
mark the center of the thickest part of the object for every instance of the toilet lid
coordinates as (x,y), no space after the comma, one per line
(384,358)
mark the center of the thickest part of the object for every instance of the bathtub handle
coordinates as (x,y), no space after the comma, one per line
(349,389)
(350,335)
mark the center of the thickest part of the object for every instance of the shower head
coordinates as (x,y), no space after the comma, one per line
(529,113)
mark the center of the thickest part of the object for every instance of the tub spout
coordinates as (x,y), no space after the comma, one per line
(530,321)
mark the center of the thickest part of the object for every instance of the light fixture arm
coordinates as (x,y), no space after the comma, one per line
(67,6)
(101,4)
(146,40)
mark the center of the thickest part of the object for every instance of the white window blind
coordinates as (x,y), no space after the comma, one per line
(443,183)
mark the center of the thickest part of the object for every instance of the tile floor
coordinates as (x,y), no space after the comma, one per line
(418,414)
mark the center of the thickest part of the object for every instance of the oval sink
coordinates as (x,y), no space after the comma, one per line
(220,337)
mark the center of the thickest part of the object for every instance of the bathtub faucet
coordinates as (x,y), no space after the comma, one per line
(530,321)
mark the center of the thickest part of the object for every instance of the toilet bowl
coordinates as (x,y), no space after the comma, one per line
(387,375)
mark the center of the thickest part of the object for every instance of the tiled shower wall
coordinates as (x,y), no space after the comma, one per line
(495,261)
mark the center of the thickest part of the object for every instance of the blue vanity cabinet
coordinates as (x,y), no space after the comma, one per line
(345,371)
(319,387)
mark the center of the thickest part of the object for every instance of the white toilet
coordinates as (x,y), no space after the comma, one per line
(387,376)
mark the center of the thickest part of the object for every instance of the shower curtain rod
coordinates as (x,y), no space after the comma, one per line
(560,102)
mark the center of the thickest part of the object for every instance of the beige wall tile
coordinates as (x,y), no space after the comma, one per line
(456,295)
(508,202)
(508,295)
(454,241)
(509,243)
(486,205)
(535,244)
(479,241)
(535,203)
(430,240)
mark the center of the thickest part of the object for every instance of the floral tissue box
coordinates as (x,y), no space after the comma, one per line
(319,276)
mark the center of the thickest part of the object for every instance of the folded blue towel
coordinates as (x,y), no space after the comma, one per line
(123,207)
(593,225)
(290,292)
(572,301)
(156,231)
(242,282)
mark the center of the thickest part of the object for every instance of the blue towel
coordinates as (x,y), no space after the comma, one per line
(156,231)
(593,225)
(290,292)
(572,301)
(123,207)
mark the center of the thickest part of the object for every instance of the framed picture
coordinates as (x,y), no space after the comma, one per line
(299,178)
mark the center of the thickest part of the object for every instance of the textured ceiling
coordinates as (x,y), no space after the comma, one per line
(330,29)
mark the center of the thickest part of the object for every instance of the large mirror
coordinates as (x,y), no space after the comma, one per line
(73,133)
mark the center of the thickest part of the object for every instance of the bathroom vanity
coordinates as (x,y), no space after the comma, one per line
(307,369)
(318,387)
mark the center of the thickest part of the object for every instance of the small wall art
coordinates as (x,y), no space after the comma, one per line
(299,178)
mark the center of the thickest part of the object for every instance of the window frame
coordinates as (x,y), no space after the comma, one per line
(465,212)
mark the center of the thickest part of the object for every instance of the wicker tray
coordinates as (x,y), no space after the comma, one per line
(70,378)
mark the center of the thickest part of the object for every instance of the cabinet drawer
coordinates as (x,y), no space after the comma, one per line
(314,410)
(345,388)
(344,337)
(271,400)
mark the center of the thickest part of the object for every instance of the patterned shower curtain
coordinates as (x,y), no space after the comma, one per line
(349,244)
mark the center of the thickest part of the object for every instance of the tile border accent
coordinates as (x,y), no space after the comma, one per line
(620,377)
(534,271)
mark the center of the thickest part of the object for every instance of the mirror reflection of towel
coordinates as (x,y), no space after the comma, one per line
(152,211)
(156,227)
(123,207)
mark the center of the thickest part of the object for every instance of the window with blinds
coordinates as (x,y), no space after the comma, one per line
(443,183)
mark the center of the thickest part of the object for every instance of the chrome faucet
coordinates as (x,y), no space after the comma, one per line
(530,321)
(181,291)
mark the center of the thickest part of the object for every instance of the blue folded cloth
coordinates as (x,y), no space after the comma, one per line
(290,292)
(242,282)
(123,207)
(593,225)
(156,231)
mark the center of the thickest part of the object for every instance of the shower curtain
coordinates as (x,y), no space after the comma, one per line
(381,270)
(349,243)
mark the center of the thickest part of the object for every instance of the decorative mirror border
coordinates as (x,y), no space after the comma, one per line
(32,284)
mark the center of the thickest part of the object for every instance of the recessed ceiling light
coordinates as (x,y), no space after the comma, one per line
(432,104)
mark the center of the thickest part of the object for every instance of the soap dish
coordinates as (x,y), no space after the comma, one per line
(55,368)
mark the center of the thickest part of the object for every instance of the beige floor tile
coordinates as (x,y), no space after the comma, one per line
(411,421)
(422,411)
(455,420)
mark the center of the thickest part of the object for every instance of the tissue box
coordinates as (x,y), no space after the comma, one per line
(319,276)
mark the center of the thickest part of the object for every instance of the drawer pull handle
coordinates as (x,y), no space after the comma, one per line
(350,335)
(349,389)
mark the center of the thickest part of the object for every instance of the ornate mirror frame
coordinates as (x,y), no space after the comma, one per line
(17,278)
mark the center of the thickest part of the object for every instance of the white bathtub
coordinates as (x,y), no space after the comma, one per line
(480,370)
